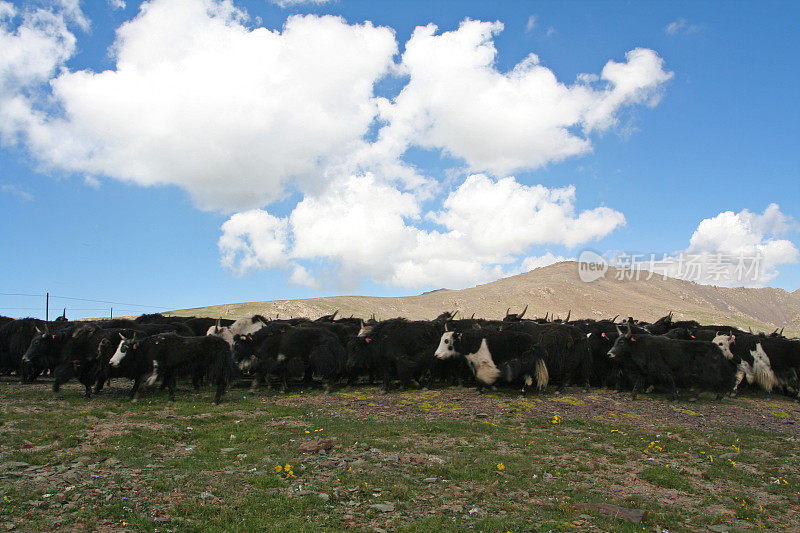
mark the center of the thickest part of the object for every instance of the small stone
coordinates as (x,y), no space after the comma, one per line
(324,496)
(9,525)
(241,456)
(383,507)
(227,450)
(719,528)
(429,480)
(207,496)
(112,461)
(316,445)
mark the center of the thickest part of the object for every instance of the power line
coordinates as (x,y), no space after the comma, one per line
(83,300)
(108,302)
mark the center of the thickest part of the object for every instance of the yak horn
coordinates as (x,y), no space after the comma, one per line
(568,314)
(507,310)
(523,312)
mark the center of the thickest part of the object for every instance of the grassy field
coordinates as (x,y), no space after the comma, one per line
(440,460)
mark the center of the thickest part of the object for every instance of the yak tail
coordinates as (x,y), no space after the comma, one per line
(542,376)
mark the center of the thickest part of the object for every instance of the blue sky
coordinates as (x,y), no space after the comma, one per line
(345,175)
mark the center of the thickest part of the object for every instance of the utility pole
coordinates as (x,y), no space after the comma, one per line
(112,313)
(47,308)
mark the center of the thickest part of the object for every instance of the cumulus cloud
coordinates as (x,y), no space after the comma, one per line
(458,102)
(365,228)
(117,4)
(200,101)
(730,249)
(240,116)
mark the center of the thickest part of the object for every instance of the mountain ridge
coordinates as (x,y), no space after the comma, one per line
(555,289)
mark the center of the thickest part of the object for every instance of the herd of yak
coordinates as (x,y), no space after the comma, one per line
(518,352)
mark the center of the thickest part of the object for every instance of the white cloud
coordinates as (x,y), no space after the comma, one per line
(117,4)
(239,116)
(733,249)
(530,24)
(360,228)
(15,190)
(457,101)
(283,4)
(534,262)
(33,50)
(504,215)
(254,240)
(200,101)
(681,26)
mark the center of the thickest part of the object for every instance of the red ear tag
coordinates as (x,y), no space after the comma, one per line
(733,338)
(223,329)
(692,336)
(53,336)
(633,339)
(604,335)
(367,339)
(134,346)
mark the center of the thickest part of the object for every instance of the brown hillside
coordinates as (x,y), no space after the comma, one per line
(556,289)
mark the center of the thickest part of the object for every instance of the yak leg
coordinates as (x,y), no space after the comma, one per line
(256,382)
(222,384)
(135,390)
(171,380)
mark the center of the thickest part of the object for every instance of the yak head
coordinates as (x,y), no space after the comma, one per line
(359,352)
(448,344)
(39,346)
(513,317)
(623,344)
(126,347)
(724,343)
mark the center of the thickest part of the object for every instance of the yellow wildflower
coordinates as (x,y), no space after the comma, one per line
(501,466)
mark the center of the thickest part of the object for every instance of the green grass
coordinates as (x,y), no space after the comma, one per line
(192,466)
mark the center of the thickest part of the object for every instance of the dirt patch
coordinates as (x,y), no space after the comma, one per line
(754,412)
